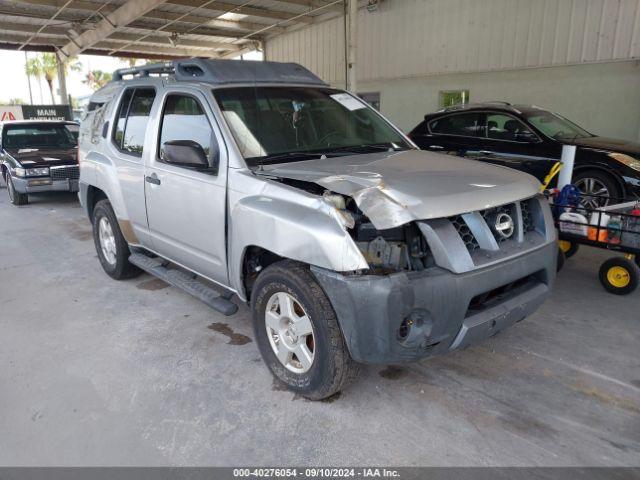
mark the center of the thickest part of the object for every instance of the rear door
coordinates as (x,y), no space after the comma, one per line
(186,208)
(126,148)
(455,134)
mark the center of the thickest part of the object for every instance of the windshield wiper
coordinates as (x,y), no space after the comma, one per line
(367,148)
(290,156)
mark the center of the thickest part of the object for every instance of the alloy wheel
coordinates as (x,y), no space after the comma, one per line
(107,240)
(593,188)
(290,332)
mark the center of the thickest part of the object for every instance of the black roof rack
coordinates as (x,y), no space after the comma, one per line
(478,105)
(225,71)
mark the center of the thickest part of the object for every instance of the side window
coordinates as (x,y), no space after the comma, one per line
(121,119)
(464,124)
(183,118)
(506,127)
(132,121)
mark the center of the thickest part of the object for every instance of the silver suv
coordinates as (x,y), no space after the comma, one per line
(257,179)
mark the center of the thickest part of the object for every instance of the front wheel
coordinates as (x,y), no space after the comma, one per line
(297,332)
(16,197)
(113,250)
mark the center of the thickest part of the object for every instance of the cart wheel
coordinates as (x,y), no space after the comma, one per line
(569,248)
(619,276)
(561,260)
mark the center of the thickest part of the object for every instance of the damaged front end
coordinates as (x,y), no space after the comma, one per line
(437,284)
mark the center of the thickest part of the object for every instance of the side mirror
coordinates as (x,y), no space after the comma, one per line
(190,154)
(528,137)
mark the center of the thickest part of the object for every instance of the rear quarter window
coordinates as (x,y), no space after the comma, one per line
(461,124)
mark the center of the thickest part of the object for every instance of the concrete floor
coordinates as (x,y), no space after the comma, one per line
(99,372)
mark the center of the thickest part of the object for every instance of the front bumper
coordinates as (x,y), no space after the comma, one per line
(22,185)
(371,309)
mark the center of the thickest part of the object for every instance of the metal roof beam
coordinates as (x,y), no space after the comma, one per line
(158,15)
(313,4)
(122,16)
(242,10)
(173,28)
(160,40)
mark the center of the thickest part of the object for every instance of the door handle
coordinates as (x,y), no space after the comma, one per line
(436,147)
(153,178)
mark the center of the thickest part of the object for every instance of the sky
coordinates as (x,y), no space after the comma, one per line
(14,84)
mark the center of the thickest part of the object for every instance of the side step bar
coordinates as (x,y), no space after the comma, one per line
(184,281)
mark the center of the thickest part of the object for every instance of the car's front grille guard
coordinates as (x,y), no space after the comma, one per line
(467,242)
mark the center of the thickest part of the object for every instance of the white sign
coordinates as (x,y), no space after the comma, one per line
(9,113)
(348,101)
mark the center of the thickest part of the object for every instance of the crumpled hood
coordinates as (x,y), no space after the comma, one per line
(44,157)
(394,188)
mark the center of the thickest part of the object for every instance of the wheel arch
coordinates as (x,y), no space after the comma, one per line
(603,169)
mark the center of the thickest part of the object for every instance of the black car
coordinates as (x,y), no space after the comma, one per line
(530,139)
(38,156)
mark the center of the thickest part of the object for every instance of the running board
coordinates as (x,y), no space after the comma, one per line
(186,282)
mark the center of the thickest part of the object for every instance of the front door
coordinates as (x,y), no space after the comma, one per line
(186,208)
(510,143)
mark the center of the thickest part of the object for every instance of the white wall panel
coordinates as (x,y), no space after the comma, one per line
(407,38)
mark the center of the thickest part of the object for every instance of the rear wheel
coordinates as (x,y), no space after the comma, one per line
(619,275)
(15,197)
(297,332)
(568,248)
(113,250)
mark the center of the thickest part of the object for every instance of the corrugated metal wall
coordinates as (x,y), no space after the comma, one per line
(407,38)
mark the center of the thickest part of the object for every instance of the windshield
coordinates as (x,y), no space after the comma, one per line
(38,135)
(293,123)
(555,126)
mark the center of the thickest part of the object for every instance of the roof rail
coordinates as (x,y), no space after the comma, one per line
(166,68)
(218,71)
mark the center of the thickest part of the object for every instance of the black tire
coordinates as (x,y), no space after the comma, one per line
(121,269)
(332,366)
(16,198)
(569,248)
(619,276)
(561,260)
(606,179)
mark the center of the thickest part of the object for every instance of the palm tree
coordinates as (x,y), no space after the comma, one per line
(33,69)
(46,65)
(130,60)
(97,79)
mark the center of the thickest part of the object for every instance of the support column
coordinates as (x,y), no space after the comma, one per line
(352,13)
(62,81)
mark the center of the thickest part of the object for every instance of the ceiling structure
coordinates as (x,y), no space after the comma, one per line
(153,28)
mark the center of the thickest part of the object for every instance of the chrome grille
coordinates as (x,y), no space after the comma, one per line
(64,173)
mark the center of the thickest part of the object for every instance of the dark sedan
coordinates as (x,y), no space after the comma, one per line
(530,139)
(38,156)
